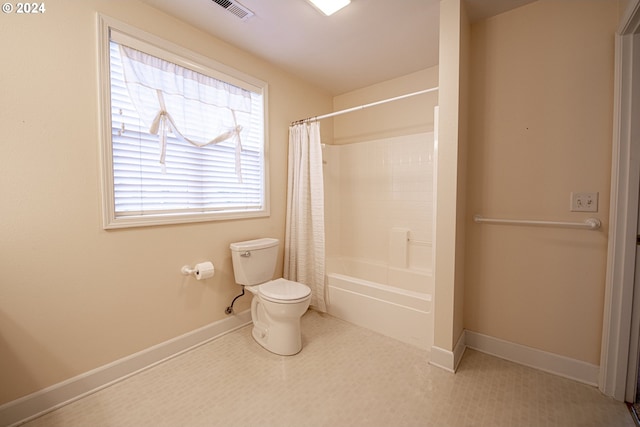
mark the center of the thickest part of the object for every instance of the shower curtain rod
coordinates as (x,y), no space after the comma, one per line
(362,107)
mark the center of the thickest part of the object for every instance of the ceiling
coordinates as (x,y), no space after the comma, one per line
(365,43)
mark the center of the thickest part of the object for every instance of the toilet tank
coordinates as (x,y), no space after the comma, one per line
(254,261)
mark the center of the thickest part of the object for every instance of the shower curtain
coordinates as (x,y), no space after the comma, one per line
(304,257)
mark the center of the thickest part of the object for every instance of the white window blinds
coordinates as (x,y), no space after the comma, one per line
(184,144)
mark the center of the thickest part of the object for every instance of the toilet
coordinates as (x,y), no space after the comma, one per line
(278,304)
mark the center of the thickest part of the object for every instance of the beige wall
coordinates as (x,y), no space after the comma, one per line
(402,117)
(451,173)
(73,296)
(622,6)
(540,128)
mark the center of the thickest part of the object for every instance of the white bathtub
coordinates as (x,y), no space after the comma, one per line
(391,301)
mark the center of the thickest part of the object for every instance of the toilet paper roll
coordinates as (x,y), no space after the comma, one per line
(204,270)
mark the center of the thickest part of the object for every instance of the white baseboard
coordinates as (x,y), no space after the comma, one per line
(549,362)
(50,398)
(448,360)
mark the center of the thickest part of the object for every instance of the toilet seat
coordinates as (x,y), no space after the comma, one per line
(284,291)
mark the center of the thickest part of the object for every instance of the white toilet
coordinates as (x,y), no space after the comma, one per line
(278,304)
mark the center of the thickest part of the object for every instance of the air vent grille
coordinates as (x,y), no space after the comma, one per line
(236,8)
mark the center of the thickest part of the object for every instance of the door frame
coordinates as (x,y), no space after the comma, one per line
(619,352)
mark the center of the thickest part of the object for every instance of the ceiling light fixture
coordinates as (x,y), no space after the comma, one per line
(329,7)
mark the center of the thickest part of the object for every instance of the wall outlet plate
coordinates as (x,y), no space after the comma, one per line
(584,202)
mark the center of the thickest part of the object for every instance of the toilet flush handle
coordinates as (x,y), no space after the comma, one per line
(245,254)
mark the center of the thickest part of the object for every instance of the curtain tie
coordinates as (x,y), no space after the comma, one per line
(161,125)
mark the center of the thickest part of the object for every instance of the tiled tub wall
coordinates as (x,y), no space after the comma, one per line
(373,187)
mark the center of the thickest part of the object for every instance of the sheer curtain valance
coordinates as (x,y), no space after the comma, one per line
(195,108)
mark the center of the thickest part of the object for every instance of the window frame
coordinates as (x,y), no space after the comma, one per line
(171,52)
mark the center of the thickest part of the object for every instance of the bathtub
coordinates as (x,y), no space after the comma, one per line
(392,301)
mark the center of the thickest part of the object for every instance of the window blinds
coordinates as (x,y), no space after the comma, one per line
(193,179)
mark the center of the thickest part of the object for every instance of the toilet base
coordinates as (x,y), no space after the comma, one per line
(286,348)
(276,327)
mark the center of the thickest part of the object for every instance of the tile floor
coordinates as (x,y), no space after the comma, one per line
(344,376)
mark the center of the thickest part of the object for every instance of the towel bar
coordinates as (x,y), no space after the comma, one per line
(588,224)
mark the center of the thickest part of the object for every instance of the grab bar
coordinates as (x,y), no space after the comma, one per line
(588,224)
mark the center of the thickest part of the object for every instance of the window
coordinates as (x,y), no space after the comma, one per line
(183,136)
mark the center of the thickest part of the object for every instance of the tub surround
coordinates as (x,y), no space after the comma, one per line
(379,200)
(380,227)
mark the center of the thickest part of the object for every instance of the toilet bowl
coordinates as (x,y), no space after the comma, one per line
(276,318)
(278,304)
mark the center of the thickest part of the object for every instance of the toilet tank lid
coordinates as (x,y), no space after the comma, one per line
(252,245)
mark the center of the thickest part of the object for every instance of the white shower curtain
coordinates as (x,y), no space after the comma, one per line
(304,258)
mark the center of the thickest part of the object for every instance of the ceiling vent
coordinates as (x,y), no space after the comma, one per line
(236,8)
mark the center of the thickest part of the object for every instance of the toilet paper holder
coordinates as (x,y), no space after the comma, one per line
(200,271)
(188,271)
